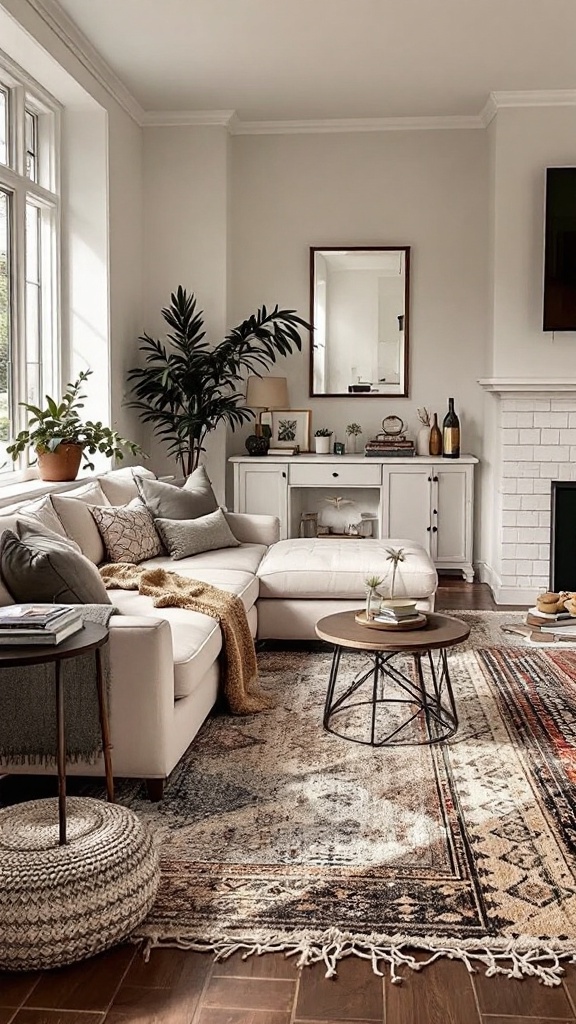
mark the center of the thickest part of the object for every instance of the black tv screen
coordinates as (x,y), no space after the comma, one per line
(560,250)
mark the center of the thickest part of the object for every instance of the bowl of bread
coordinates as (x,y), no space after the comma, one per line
(551,603)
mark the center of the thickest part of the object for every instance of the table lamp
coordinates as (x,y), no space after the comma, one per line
(265,394)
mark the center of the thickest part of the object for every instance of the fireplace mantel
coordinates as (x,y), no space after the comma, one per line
(534,385)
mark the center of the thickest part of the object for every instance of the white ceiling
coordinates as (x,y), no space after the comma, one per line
(311,59)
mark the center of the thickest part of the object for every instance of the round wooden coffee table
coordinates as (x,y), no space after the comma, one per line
(426,689)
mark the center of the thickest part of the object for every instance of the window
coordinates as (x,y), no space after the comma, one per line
(29,248)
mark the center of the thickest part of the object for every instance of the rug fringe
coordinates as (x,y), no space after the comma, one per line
(516,959)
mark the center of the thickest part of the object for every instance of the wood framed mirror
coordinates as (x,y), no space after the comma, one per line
(359,309)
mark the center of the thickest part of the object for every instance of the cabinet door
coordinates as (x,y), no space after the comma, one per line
(451,512)
(263,489)
(406,503)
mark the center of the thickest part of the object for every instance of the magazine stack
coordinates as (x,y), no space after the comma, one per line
(28,624)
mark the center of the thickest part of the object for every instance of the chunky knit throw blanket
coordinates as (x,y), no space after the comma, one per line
(169,590)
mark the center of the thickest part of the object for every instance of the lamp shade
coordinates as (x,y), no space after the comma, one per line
(267,393)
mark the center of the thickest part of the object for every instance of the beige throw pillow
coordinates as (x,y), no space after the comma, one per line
(74,514)
(184,537)
(128,532)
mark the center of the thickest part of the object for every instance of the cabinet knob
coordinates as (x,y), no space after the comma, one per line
(428,528)
(434,511)
(429,479)
(434,529)
(435,479)
(284,473)
(334,474)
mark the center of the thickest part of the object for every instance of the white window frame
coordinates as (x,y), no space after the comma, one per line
(26,94)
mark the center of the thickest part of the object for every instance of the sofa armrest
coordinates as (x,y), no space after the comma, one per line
(141,694)
(254,529)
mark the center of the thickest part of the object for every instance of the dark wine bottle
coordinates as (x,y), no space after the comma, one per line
(451,433)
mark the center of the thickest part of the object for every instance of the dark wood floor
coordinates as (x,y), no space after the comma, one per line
(177,987)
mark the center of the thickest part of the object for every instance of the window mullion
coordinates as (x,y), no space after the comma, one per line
(17,133)
(19,305)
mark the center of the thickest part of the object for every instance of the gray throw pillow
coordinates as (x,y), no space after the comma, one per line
(42,567)
(184,537)
(196,498)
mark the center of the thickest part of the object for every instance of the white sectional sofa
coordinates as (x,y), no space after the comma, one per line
(165,662)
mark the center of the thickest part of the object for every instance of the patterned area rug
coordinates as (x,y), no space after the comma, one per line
(276,835)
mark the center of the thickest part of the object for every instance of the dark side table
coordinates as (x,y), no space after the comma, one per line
(91,637)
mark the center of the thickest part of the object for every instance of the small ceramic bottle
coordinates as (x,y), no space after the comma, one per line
(435,437)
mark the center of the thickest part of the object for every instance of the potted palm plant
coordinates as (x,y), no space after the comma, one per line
(60,439)
(186,387)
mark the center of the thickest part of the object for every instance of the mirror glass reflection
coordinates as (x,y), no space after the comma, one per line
(359,311)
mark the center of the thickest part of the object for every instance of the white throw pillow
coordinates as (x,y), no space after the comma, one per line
(74,514)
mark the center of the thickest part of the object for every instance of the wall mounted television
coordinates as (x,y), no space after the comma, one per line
(560,250)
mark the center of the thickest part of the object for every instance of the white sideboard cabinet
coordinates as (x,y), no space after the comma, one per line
(427,499)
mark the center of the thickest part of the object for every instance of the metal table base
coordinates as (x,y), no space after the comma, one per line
(428,693)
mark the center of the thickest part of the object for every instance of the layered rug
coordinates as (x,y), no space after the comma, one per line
(276,835)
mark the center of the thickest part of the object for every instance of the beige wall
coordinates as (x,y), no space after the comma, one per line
(428,190)
(186,241)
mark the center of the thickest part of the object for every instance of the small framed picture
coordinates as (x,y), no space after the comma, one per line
(291,427)
(339,448)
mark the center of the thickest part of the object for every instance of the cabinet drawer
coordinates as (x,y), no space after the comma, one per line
(334,475)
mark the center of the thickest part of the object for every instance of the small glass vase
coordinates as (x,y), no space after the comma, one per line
(370,595)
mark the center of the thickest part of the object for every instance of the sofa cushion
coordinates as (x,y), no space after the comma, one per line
(196,638)
(74,514)
(184,537)
(119,485)
(45,567)
(196,498)
(245,558)
(337,568)
(128,532)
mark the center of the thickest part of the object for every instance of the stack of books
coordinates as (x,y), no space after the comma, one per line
(27,624)
(543,628)
(383,445)
(400,611)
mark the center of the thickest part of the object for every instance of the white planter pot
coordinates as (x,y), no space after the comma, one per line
(322,445)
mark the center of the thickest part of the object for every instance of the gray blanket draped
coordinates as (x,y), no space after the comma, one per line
(28,705)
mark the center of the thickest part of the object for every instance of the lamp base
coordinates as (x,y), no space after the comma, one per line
(256,445)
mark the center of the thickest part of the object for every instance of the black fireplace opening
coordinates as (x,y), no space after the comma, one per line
(563,536)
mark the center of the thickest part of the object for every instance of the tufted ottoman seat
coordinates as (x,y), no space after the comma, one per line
(305,579)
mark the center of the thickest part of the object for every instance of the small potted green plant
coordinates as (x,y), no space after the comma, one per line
(322,441)
(353,431)
(59,438)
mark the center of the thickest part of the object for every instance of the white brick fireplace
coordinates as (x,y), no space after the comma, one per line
(534,443)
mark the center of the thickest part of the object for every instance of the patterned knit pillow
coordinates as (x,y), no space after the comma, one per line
(128,531)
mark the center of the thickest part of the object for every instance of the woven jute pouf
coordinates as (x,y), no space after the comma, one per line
(59,904)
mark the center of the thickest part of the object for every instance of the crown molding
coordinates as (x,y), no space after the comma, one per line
(356,124)
(167,118)
(55,17)
(535,98)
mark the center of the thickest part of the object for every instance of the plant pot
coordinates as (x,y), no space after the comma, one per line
(61,464)
(322,445)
